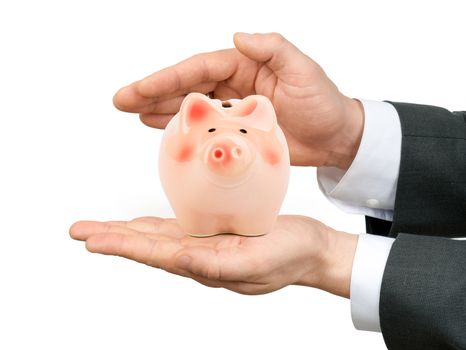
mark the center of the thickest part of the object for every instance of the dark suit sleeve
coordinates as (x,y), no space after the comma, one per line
(431,190)
(423,294)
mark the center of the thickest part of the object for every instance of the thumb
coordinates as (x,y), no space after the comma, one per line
(273,49)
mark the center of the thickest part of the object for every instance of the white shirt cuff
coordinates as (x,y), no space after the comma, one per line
(368,187)
(366,280)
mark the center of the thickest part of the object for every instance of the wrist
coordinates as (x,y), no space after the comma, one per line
(347,141)
(335,263)
(339,263)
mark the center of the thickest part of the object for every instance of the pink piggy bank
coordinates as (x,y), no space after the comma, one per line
(224,166)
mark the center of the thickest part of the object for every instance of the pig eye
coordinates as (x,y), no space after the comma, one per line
(212,130)
(244,131)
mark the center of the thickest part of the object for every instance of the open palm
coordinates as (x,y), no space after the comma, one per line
(313,114)
(289,254)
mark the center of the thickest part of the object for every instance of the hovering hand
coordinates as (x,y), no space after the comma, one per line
(299,250)
(321,125)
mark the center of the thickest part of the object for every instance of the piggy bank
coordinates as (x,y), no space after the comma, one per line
(224,166)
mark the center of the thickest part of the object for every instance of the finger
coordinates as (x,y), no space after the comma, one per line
(203,68)
(146,224)
(158,121)
(157,226)
(170,106)
(151,227)
(273,49)
(127,99)
(224,91)
(81,230)
(152,252)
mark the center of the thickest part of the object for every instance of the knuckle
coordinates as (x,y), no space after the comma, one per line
(108,227)
(212,272)
(121,248)
(148,259)
(276,38)
(196,56)
(156,225)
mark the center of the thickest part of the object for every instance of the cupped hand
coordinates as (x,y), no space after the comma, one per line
(299,250)
(321,125)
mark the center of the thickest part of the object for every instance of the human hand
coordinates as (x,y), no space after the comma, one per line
(299,250)
(321,125)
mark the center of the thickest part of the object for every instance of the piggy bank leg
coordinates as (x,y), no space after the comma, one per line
(198,224)
(252,226)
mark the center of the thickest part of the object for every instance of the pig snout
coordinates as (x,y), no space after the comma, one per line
(229,156)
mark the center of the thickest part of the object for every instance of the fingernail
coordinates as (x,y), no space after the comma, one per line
(183,262)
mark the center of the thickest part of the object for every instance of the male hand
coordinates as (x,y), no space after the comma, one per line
(321,125)
(299,250)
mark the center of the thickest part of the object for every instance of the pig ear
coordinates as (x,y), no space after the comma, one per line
(258,111)
(197,108)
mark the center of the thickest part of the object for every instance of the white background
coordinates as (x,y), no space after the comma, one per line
(67,154)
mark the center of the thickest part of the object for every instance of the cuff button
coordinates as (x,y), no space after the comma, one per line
(373,203)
